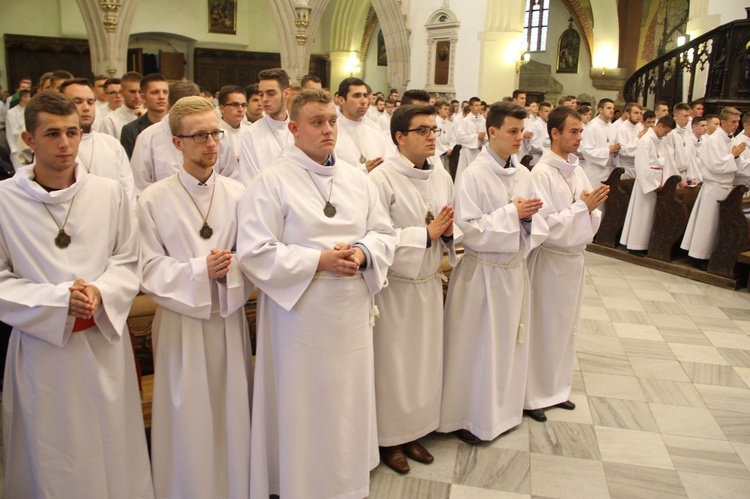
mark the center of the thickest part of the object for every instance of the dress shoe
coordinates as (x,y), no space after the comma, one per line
(468,437)
(395,459)
(700,264)
(567,405)
(640,253)
(536,414)
(416,451)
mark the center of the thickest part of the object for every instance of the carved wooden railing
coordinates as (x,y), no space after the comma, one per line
(722,52)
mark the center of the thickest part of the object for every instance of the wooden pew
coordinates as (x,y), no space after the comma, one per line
(673,207)
(615,208)
(734,233)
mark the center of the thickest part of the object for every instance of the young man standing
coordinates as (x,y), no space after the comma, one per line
(599,144)
(446,140)
(113,92)
(409,332)
(358,144)
(556,267)
(155,97)
(721,163)
(497,208)
(72,420)
(629,133)
(254,104)
(315,239)
(471,135)
(265,141)
(699,129)
(540,139)
(232,103)
(679,151)
(384,122)
(99,153)
(131,109)
(651,159)
(200,437)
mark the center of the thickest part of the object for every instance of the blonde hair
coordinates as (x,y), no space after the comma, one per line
(185,107)
(306,96)
(728,112)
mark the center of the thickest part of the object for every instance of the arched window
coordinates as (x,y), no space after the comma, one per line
(535,24)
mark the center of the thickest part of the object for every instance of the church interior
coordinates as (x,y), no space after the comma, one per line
(662,370)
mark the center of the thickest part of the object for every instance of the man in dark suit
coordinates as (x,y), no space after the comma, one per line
(154,94)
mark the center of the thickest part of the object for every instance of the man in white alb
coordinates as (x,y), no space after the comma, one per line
(539,141)
(497,207)
(200,436)
(358,144)
(315,239)
(409,332)
(99,153)
(600,145)
(556,270)
(264,142)
(155,156)
(72,420)
(130,110)
(446,140)
(471,135)
(14,127)
(232,103)
(629,133)
(679,150)
(155,97)
(113,93)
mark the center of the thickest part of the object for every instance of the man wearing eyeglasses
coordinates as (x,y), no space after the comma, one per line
(131,109)
(408,335)
(232,104)
(155,156)
(200,436)
(113,94)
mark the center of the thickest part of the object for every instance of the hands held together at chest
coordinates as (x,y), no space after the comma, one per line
(84,299)
(342,259)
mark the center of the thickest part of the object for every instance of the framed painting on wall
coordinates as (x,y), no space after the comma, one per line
(222,16)
(382,52)
(567,51)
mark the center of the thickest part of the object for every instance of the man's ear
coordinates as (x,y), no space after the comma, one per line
(177,142)
(28,139)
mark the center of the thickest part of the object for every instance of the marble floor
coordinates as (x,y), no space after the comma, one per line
(663,405)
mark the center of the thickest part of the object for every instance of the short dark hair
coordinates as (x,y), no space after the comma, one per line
(545,104)
(47,102)
(149,78)
(630,105)
(695,103)
(558,116)
(401,118)
(379,99)
(499,110)
(667,121)
(518,92)
(111,81)
(312,78)
(647,115)
(131,77)
(698,120)
(276,74)
(75,81)
(60,74)
(180,89)
(346,83)
(661,103)
(412,95)
(251,90)
(226,90)
(474,99)
(604,101)
(305,97)
(711,116)
(681,106)
(584,109)
(562,100)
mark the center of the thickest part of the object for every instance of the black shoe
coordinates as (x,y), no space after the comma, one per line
(700,264)
(468,437)
(567,405)
(536,414)
(640,253)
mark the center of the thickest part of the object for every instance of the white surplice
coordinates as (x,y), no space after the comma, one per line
(102,155)
(155,157)
(112,123)
(487,310)
(539,142)
(384,122)
(314,422)
(650,158)
(597,137)
(356,140)
(232,136)
(446,141)
(556,271)
(14,126)
(72,420)
(409,332)
(627,137)
(261,145)
(200,436)
(467,135)
(681,158)
(719,171)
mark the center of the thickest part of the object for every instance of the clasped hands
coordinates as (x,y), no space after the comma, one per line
(84,299)
(342,259)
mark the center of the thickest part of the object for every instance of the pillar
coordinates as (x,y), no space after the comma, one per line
(108,26)
(501,46)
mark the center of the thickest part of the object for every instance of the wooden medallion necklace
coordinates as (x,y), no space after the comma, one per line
(328,210)
(206,231)
(62,240)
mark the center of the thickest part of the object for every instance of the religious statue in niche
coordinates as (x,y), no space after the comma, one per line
(222,16)
(382,53)
(568,50)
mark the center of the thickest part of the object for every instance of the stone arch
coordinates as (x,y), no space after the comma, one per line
(108,27)
(393,25)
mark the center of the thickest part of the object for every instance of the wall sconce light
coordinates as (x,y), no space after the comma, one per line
(682,40)
(353,65)
(525,58)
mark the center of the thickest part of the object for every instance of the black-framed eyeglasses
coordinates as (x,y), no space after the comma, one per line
(424,131)
(235,105)
(202,137)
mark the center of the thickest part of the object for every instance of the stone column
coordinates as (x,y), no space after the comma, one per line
(500,47)
(108,26)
